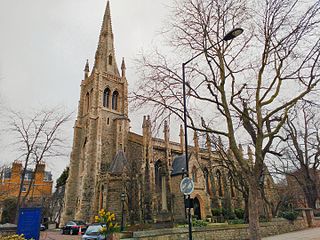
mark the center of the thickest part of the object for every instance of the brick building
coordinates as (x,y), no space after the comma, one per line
(108,159)
(297,182)
(11,179)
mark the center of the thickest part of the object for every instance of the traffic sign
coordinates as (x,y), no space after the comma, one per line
(186,186)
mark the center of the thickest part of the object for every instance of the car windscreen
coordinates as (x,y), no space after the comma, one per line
(79,223)
(93,230)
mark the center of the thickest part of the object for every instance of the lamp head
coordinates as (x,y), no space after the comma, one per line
(123,196)
(233,34)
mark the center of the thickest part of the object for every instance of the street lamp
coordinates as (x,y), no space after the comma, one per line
(123,198)
(184,196)
(229,36)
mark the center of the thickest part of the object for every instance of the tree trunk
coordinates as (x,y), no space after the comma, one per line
(254,226)
(246,208)
(310,192)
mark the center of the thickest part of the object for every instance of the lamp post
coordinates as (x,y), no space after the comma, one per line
(123,198)
(184,196)
(229,36)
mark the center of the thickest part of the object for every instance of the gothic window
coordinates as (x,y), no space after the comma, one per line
(87,103)
(231,184)
(157,171)
(206,178)
(219,182)
(82,159)
(115,97)
(108,121)
(106,96)
(110,59)
(194,174)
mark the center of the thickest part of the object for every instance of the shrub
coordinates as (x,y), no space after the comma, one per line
(9,209)
(239,212)
(263,218)
(199,223)
(236,221)
(216,211)
(290,215)
(228,214)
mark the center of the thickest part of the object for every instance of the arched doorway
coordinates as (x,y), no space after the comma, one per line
(197,208)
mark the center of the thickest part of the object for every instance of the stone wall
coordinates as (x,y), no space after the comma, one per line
(228,232)
(8,231)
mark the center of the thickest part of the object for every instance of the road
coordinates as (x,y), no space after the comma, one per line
(56,235)
(309,234)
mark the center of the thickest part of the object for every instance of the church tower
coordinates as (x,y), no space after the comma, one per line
(100,130)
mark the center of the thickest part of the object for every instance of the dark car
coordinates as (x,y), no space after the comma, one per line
(73,227)
(93,233)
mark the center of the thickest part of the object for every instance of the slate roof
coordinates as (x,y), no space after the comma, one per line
(118,163)
(178,163)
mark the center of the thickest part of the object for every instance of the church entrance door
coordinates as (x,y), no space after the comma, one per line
(196,208)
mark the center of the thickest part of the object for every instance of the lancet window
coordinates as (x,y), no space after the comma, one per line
(115,97)
(106,97)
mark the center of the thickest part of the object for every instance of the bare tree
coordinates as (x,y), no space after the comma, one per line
(243,82)
(300,158)
(39,137)
(3,190)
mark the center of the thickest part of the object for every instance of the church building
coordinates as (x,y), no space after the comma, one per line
(108,160)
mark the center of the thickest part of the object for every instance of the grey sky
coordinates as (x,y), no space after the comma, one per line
(44,45)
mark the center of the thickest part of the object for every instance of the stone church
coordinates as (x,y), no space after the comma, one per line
(108,160)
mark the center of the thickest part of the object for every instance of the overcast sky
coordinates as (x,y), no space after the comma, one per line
(44,45)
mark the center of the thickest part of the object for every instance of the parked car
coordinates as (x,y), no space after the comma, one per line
(93,233)
(42,227)
(73,227)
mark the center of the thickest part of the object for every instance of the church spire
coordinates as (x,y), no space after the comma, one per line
(105,60)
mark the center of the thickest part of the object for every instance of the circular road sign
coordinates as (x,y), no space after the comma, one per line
(186,186)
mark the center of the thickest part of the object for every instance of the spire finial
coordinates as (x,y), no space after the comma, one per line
(86,69)
(166,131)
(196,140)
(123,68)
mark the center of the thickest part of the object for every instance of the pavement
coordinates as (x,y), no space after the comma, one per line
(309,234)
(56,235)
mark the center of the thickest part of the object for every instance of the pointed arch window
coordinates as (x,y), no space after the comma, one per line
(219,182)
(231,180)
(106,97)
(206,178)
(194,174)
(157,175)
(115,97)
(83,154)
(87,103)
(110,59)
